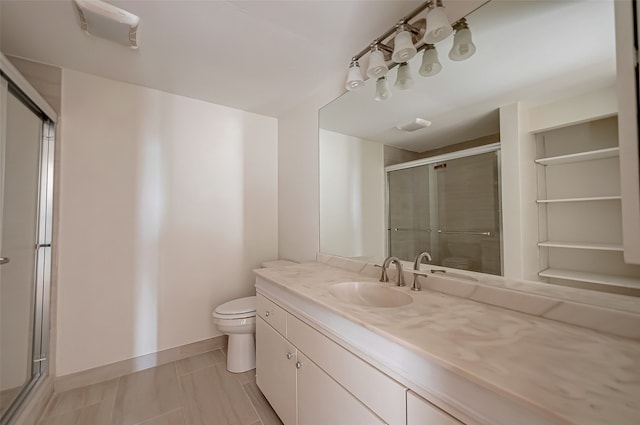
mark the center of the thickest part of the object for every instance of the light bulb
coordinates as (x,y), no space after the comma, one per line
(438,26)
(354,78)
(430,63)
(403,49)
(463,47)
(382,89)
(403,80)
(377,64)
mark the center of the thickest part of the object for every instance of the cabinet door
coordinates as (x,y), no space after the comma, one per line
(322,401)
(276,371)
(421,412)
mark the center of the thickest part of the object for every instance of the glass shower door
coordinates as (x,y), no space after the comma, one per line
(25,231)
(468,206)
(449,208)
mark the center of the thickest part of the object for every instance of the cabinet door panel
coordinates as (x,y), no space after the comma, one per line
(322,401)
(275,371)
(421,412)
(382,394)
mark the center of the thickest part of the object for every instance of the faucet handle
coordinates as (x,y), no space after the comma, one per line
(384,277)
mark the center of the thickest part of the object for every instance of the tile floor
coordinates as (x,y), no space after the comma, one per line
(194,391)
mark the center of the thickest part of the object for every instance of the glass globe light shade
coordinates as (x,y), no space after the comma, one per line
(463,48)
(430,63)
(403,80)
(382,89)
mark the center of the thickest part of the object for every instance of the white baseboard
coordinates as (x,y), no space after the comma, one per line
(124,367)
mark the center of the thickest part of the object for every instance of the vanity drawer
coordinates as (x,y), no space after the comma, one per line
(272,313)
(420,411)
(384,396)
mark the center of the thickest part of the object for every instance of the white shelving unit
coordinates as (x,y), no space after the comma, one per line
(588,199)
(582,245)
(579,204)
(580,156)
(601,279)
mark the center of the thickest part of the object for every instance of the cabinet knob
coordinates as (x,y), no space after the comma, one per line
(298,365)
(267,313)
(289,356)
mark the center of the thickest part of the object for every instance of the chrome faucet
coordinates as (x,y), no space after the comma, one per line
(418,260)
(415,286)
(399,277)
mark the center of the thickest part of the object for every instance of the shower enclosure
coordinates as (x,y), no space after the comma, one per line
(26,189)
(448,206)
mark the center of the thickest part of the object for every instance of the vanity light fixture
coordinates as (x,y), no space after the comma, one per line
(463,47)
(404,81)
(377,65)
(404,49)
(438,26)
(400,43)
(354,80)
(382,89)
(430,63)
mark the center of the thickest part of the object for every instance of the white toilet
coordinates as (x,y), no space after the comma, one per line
(237,319)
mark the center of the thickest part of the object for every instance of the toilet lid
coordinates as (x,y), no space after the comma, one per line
(240,306)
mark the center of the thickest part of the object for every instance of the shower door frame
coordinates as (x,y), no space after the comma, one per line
(493,147)
(19,87)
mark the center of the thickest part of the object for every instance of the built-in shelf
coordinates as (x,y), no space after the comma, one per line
(581,156)
(583,245)
(588,199)
(602,279)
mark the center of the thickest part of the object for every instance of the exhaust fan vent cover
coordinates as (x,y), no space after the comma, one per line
(414,125)
(107,21)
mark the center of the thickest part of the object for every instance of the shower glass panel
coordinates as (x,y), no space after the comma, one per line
(449,208)
(26,172)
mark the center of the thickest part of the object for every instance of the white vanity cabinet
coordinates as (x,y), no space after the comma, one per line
(322,401)
(276,370)
(318,382)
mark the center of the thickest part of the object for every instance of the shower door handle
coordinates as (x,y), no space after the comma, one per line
(3,260)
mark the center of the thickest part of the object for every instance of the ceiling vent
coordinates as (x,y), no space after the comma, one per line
(414,125)
(107,21)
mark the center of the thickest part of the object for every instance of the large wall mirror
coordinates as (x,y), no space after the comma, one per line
(386,191)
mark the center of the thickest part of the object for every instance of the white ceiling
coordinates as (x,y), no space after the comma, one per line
(531,51)
(258,56)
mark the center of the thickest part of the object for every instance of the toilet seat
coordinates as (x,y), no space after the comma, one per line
(240,308)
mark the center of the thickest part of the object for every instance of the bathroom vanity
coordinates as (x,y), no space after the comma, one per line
(440,359)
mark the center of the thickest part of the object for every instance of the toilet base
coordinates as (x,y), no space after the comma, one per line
(241,353)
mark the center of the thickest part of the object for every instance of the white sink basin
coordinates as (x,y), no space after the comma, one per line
(369,294)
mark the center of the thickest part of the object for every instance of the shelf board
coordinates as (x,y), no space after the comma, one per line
(581,156)
(602,279)
(589,199)
(583,245)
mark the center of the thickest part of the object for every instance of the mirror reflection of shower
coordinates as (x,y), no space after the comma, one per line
(448,206)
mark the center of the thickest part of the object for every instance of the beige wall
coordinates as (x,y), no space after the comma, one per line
(352,196)
(298,181)
(167,203)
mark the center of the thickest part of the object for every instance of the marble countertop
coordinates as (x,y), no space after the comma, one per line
(572,374)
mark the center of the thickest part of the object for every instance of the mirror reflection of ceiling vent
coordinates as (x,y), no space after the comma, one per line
(414,125)
(107,21)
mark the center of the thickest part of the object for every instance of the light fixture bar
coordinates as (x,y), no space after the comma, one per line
(391,31)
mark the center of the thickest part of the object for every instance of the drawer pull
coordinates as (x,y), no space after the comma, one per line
(298,365)
(267,313)
(289,356)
